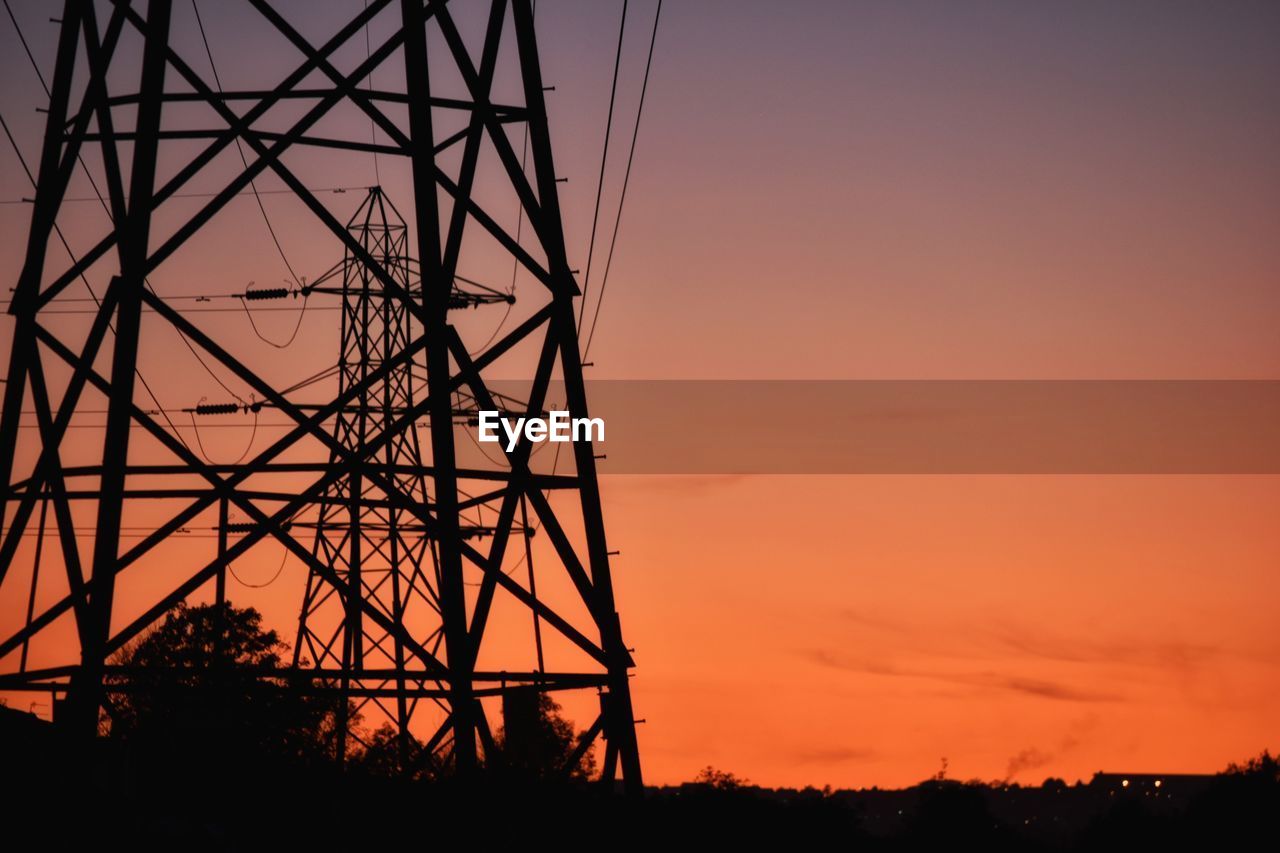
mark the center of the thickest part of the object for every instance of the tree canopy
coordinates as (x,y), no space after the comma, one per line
(209,684)
(537,741)
(199,683)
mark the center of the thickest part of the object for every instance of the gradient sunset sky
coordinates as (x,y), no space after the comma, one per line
(977,190)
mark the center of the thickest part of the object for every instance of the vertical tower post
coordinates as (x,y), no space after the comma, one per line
(133,243)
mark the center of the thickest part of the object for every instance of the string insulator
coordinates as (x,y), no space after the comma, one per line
(217,409)
(249,526)
(267,293)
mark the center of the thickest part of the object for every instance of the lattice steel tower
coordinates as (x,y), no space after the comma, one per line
(404,552)
(375,549)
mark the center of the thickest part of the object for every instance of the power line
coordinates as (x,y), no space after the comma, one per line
(248,446)
(198,297)
(302,312)
(515,262)
(26,47)
(35,66)
(195,6)
(284,559)
(604,159)
(245,193)
(67,246)
(82,312)
(143,426)
(635,133)
(373,129)
(74,260)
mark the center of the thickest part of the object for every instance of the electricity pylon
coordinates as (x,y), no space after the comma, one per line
(346,489)
(379,552)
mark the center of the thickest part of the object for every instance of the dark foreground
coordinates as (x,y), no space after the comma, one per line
(97,796)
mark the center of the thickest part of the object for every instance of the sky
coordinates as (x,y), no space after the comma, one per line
(876,190)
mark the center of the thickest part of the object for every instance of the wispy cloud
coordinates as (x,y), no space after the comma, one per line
(986,679)
(1046,689)
(1171,654)
(998,636)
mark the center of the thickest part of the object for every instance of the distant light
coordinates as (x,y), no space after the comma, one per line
(1124,784)
(1157,783)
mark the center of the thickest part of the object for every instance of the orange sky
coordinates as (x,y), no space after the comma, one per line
(866,190)
(884,622)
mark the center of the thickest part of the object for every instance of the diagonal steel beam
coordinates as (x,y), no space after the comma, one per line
(235,130)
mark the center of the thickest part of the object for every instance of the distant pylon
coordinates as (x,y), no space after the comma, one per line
(382,553)
(378,550)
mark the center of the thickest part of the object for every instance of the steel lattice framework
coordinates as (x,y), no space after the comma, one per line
(381,525)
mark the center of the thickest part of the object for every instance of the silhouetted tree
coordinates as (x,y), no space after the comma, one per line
(1239,808)
(720,780)
(950,813)
(542,747)
(1264,769)
(387,753)
(196,687)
